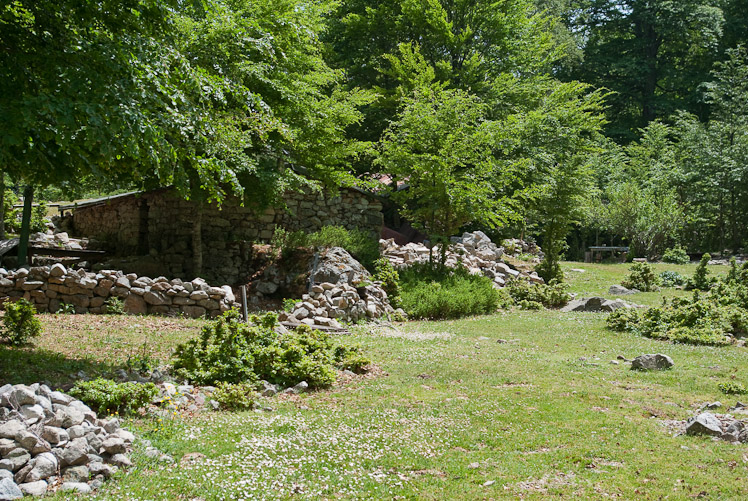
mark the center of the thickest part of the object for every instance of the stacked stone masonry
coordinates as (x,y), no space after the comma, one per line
(50,287)
(162,224)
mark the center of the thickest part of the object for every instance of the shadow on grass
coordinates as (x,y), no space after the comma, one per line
(27,365)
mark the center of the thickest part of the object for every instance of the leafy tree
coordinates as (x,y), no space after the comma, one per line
(652,54)
(441,146)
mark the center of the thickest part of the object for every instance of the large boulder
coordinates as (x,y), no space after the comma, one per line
(705,423)
(652,361)
(337,266)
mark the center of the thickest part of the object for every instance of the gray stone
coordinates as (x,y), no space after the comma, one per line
(75,474)
(620,290)
(22,395)
(43,466)
(6,474)
(705,423)
(75,454)
(267,389)
(135,305)
(9,490)
(32,413)
(99,468)
(60,398)
(120,460)
(80,487)
(55,435)
(652,362)
(38,488)
(114,445)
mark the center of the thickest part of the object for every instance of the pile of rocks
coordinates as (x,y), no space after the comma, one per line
(598,304)
(722,426)
(49,441)
(49,287)
(516,247)
(330,303)
(474,250)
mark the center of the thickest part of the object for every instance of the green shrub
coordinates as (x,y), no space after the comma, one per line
(707,319)
(235,396)
(528,296)
(676,255)
(701,280)
(390,278)
(114,306)
(672,279)
(358,243)
(428,292)
(289,304)
(231,351)
(641,277)
(20,322)
(351,358)
(107,396)
(732,388)
(66,309)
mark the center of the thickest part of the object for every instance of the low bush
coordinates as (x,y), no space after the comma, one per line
(676,255)
(714,319)
(235,396)
(732,388)
(701,280)
(351,358)
(387,274)
(107,396)
(358,243)
(228,350)
(20,322)
(536,296)
(641,277)
(672,279)
(432,293)
(114,306)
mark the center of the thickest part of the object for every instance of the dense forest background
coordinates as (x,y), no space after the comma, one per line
(577,122)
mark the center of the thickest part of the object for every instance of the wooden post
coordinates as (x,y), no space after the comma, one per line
(245,315)
(23,244)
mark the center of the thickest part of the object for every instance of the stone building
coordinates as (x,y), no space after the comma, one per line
(187,239)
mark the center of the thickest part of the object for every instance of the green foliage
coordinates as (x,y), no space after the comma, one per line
(701,280)
(20,324)
(289,304)
(387,274)
(105,396)
(141,360)
(672,279)
(114,306)
(530,296)
(231,351)
(351,358)
(359,243)
(676,255)
(732,388)
(712,318)
(641,277)
(235,396)
(449,293)
(66,309)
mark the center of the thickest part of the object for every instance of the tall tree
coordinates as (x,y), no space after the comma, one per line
(651,53)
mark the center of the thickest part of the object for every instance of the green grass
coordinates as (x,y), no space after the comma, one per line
(451,410)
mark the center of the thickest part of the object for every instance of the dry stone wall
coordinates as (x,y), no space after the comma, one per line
(49,287)
(162,224)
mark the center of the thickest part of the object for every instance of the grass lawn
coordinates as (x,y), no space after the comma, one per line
(451,413)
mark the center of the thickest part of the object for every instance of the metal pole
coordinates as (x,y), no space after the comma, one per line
(245,316)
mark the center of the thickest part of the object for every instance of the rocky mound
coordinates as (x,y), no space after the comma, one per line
(50,441)
(474,250)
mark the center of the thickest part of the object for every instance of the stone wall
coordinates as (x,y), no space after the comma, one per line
(50,287)
(161,224)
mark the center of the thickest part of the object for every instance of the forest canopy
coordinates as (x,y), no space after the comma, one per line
(577,122)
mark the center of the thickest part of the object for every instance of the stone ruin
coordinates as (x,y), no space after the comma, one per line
(49,287)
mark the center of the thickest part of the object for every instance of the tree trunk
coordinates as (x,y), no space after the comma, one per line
(197,240)
(23,244)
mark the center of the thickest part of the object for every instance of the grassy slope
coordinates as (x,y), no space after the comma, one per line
(543,414)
